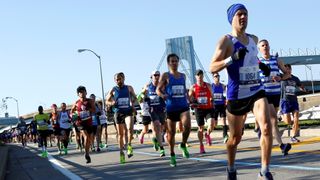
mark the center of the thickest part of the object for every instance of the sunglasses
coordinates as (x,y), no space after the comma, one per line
(216,76)
(156,75)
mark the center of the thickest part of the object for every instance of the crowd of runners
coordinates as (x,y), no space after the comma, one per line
(264,86)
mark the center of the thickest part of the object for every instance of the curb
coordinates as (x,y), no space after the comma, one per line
(3,161)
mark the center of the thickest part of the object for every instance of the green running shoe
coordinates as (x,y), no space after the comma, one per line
(65,151)
(173,162)
(225,139)
(44,154)
(185,152)
(122,158)
(155,144)
(162,153)
(130,151)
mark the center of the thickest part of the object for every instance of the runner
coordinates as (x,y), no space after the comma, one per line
(104,126)
(34,132)
(22,129)
(122,97)
(219,104)
(201,97)
(85,109)
(172,88)
(96,125)
(272,89)
(157,112)
(77,132)
(42,121)
(65,126)
(145,113)
(55,124)
(289,102)
(237,52)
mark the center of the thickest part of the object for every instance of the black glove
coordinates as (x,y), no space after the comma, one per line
(240,53)
(276,55)
(265,69)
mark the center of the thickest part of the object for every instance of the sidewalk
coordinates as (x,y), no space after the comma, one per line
(26,164)
(3,161)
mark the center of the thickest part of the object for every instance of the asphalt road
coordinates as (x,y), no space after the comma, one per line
(303,161)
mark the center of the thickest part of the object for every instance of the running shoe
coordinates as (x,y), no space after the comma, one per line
(173,162)
(88,158)
(162,153)
(231,175)
(185,152)
(130,151)
(285,148)
(202,151)
(267,176)
(122,158)
(65,151)
(295,140)
(105,146)
(155,144)
(225,139)
(98,149)
(43,154)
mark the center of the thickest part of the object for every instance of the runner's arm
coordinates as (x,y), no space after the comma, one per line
(282,67)
(73,108)
(211,92)
(109,99)
(162,85)
(191,94)
(223,51)
(132,95)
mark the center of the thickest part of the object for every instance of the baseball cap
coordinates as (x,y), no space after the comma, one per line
(155,72)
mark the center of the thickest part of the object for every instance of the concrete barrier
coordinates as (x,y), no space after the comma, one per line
(3,161)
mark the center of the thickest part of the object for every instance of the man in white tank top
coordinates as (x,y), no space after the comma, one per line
(243,71)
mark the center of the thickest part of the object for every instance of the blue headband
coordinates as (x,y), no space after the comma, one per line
(233,9)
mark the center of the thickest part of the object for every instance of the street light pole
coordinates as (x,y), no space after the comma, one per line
(17,104)
(101,78)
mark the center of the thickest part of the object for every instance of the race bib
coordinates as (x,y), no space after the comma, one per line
(42,124)
(249,75)
(154,100)
(217,96)
(178,91)
(202,100)
(84,115)
(290,90)
(123,102)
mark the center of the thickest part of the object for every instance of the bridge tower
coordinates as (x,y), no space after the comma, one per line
(183,47)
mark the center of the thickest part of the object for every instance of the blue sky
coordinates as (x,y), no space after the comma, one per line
(40,64)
